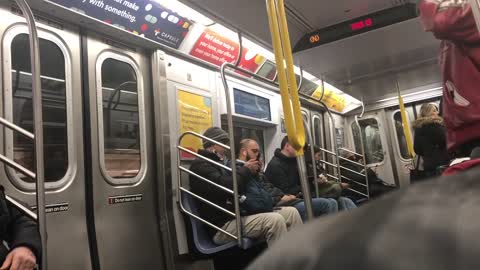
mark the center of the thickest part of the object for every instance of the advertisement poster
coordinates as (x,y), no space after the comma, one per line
(216,49)
(195,114)
(330,98)
(145,18)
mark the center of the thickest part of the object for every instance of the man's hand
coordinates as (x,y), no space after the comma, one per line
(344,185)
(287,198)
(253,165)
(322,179)
(20,258)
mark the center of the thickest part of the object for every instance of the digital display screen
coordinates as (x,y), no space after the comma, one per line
(145,18)
(251,105)
(357,26)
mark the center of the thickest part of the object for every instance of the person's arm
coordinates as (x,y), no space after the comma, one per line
(214,174)
(449,20)
(24,241)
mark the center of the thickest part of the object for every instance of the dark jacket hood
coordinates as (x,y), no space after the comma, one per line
(424,121)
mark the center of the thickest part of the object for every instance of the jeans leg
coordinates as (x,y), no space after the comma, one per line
(322,206)
(345,203)
(301,210)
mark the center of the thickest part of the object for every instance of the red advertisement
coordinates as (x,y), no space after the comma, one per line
(217,50)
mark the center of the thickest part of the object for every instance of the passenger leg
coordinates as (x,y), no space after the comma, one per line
(322,206)
(291,216)
(267,226)
(345,203)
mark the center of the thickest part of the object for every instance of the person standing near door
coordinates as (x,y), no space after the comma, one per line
(453,23)
(429,141)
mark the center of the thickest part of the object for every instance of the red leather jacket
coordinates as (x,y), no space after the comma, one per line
(453,23)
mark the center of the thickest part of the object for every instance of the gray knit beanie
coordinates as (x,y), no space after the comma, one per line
(216,134)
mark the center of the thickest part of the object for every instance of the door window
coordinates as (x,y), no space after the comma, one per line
(19,107)
(120,121)
(402,140)
(317,131)
(371,138)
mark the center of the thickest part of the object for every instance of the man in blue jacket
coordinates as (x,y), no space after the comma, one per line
(249,149)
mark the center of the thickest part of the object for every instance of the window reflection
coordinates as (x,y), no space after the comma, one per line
(371,138)
(120,119)
(54,107)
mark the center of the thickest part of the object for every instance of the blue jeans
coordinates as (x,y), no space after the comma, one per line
(321,206)
(345,203)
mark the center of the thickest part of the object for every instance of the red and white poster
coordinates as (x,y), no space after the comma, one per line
(216,49)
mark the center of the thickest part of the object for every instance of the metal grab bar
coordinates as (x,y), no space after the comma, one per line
(208,202)
(357,122)
(350,170)
(328,163)
(206,180)
(350,151)
(236,215)
(38,125)
(351,161)
(353,181)
(22,208)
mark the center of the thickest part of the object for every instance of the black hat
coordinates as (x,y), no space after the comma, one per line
(216,134)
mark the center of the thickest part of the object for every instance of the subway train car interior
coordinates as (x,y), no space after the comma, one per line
(132,85)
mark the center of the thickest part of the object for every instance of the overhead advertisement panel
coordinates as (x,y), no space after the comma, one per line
(145,18)
(217,49)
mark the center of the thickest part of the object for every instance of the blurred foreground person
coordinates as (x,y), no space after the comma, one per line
(422,227)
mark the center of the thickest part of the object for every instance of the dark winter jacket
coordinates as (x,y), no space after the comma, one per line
(282,171)
(423,225)
(17,230)
(256,198)
(213,194)
(430,142)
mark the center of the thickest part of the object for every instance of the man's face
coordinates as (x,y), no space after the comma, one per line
(290,150)
(251,151)
(220,150)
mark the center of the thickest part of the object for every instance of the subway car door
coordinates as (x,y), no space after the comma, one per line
(400,152)
(122,156)
(374,132)
(63,133)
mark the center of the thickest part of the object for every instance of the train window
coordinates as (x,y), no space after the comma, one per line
(240,133)
(317,131)
(252,105)
(120,121)
(371,138)
(54,92)
(305,126)
(402,141)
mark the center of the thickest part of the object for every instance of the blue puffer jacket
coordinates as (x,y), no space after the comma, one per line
(256,199)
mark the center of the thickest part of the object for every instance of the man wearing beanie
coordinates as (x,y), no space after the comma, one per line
(266,226)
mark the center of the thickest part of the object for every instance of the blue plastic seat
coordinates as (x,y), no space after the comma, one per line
(202,240)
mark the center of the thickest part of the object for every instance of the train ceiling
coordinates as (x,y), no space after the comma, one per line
(349,64)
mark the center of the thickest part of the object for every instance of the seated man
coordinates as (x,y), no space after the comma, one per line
(266,226)
(249,149)
(326,188)
(377,187)
(22,236)
(282,171)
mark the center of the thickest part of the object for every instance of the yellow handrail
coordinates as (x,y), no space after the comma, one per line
(288,85)
(406,126)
